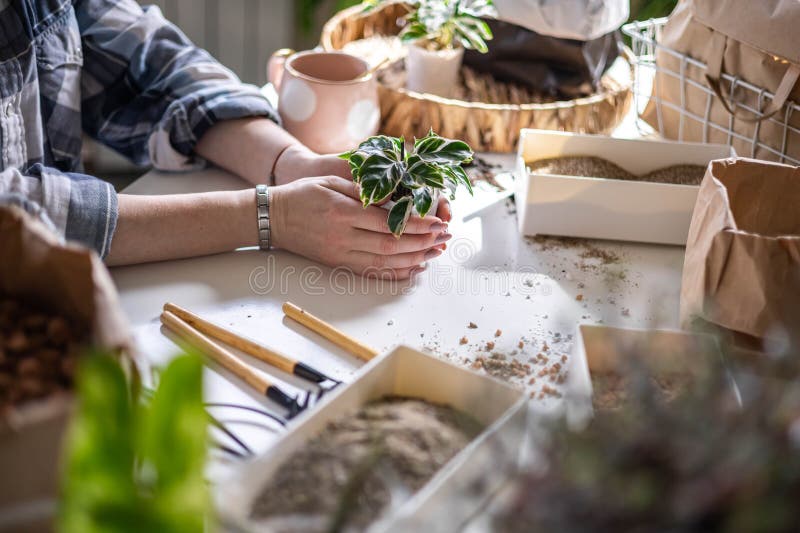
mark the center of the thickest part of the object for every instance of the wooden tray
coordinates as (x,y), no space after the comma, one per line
(488,126)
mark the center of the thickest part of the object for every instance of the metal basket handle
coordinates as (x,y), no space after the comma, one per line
(714,73)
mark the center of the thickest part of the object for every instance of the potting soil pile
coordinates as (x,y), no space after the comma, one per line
(597,167)
(346,476)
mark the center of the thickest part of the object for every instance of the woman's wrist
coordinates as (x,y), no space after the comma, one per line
(246,211)
(292,163)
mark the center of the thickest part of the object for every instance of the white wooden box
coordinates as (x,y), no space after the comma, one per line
(604,208)
(457,491)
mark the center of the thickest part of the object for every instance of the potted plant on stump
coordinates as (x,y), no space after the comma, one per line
(408,181)
(438,31)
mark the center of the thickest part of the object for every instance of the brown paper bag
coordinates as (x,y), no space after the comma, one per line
(36,267)
(752,41)
(742,265)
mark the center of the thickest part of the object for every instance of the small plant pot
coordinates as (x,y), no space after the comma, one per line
(433,71)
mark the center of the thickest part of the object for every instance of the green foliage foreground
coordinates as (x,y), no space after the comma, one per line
(133,465)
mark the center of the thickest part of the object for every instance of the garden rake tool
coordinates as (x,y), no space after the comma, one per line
(202,334)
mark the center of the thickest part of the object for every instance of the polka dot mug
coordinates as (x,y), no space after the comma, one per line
(328,100)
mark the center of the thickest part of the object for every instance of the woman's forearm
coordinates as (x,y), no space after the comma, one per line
(249,147)
(156,228)
(258,150)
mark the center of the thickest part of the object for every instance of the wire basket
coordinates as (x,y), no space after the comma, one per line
(645,42)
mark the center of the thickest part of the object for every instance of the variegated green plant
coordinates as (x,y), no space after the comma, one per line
(385,171)
(446,24)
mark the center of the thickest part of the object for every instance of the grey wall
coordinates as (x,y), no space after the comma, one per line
(239,33)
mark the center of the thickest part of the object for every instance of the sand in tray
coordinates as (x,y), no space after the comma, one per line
(597,167)
(358,460)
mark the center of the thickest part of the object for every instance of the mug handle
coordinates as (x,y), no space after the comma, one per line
(276,66)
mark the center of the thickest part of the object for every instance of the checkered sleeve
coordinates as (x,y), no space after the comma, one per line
(79,207)
(148,92)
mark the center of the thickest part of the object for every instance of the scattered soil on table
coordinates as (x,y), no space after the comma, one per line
(597,167)
(593,258)
(482,170)
(611,390)
(606,257)
(38,353)
(347,473)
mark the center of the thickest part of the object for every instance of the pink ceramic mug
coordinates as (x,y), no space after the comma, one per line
(328,100)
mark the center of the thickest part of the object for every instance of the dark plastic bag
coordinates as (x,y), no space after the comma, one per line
(561,68)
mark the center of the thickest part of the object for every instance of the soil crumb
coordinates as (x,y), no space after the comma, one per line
(500,366)
(345,476)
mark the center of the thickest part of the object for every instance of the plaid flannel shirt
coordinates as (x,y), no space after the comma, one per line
(118,72)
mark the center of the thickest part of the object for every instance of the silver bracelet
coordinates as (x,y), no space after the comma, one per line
(262,205)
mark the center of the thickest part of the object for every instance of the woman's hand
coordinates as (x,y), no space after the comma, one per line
(297,162)
(322,219)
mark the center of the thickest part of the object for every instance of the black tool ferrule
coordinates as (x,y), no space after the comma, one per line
(306,372)
(280,397)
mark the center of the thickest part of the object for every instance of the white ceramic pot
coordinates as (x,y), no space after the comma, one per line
(433,71)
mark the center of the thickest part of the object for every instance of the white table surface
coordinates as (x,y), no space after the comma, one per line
(490,275)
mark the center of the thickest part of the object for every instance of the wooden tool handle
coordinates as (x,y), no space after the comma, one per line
(339,338)
(258,351)
(216,352)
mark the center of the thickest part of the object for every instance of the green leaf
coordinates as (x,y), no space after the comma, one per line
(176,414)
(423,201)
(429,144)
(133,467)
(409,182)
(356,161)
(469,36)
(478,9)
(390,147)
(379,177)
(399,215)
(100,455)
(484,29)
(461,176)
(414,32)
(441,150)
(428,174)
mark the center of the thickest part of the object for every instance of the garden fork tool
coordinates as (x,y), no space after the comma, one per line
(273,358)
(196,337)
